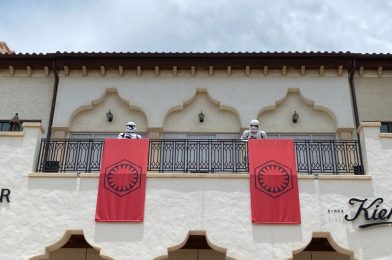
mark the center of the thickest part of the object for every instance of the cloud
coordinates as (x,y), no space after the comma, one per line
(204,25)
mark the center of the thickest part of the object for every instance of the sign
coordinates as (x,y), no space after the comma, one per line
(5,195)
(122,181)
(372,211)
(273,182)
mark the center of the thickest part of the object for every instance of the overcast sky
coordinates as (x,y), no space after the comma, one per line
(196,25)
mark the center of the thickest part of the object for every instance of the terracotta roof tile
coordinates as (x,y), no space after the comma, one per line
(4,48)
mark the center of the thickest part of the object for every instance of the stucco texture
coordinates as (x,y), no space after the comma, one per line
(42,209)
(311,119)
(92,118)
(30,97)
(374,98)
(156,96)
(217,120)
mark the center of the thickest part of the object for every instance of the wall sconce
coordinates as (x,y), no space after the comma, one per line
(295,117)
(201,116)
(109,116)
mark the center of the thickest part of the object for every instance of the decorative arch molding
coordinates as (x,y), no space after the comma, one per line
(95,103)
(212,99)
(189,241)
(62,242)
(307,105)
(333,244)
(304,99)
(199,93)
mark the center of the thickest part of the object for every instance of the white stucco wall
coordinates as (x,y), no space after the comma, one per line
(216,119)
(43,208)
(248,95)
(30,97)
(93,118)
(374,98)
(311,119)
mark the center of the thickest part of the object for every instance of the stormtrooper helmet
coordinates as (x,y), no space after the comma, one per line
(131,127)
(254,125)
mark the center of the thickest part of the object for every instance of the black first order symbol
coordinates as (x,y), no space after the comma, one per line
(122,177)
(273,178)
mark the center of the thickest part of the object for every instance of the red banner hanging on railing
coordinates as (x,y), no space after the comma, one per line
(273,182)
(122,181)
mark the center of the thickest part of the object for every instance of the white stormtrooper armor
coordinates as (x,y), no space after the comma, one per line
(129,132)
(254,131)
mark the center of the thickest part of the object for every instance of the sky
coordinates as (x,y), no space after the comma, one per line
(46,26)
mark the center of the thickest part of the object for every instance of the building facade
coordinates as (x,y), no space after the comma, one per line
(334,105)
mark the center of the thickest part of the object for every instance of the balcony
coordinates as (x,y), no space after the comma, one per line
(201,156)
(5,126)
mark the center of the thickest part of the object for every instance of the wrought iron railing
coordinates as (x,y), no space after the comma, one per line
(225,155)
(5,125)
(201,156)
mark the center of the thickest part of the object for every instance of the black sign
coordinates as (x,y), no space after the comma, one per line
(122,177)
(372,212)
(5,195)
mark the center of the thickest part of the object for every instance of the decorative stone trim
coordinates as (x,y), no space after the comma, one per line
(344,133)
(385,135)
(12,134)
(60,132)
(63,175)
(340,177)
(331,241)
(154,132)
(155,129)
(34,125)
(368,124)
(197,176)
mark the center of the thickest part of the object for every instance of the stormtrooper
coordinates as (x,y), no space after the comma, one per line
(254,131)
(129,132)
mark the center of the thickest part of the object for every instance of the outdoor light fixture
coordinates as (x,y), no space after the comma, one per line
(295,117)
(201,116)
(109,116)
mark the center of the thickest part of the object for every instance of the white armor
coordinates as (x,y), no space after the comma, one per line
(129,132)
(254,131)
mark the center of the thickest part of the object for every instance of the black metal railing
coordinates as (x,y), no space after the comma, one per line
(225,155)
(5,125)
(201,156)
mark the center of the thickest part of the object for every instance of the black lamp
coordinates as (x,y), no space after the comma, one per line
(295,117)
(201,116)
(109,116)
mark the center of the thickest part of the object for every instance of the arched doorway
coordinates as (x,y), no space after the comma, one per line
(196,246)
(72,245)
(322,247)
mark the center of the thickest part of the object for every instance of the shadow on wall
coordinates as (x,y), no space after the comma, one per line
(215,117)
(297,114)
(94,117)
(72,245)
(321,247)
(196,246)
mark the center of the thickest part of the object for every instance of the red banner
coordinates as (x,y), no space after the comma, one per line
(273,182)
(122,181)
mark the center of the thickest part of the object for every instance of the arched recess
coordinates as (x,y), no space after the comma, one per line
(312,118)
(195,246)
(322,246)
(218,118)
(92,117)
(72,245)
